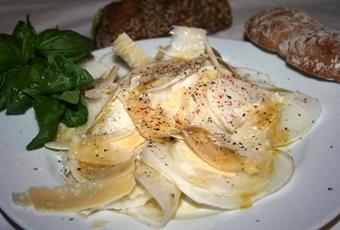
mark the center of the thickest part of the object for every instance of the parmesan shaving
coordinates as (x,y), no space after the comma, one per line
(76,197)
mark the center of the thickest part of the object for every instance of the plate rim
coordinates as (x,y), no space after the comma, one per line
(319,224)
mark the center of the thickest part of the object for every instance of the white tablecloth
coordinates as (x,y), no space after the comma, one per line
(77,15)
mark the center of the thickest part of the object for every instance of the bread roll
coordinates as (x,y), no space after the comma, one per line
(301,40)
(317,53)
(154,18)
(269,27)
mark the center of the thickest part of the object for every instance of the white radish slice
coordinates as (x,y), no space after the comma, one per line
(231,99)
(298,117)
(214,189)
(282,172)
(188,209)
(108,60)
(112,118)
(219,157)
(159,210)
(261,79)
(54,145)
(103,85)
(65,133)
(95,68)
(136,198)
(197,189)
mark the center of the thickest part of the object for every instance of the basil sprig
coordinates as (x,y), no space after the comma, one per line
(38,70)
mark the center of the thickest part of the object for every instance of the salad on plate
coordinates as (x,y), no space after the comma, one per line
(181,128)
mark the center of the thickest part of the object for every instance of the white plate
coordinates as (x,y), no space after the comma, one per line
(310,200)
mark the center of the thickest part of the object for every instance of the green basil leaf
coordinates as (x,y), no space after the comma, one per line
(17,102)
(36,75)
(48,112)
(2,80)
(76,115)
(25,32)
(2,90)
(39,65)
(69,96)
(9,77)
(67,43)
(60,75)
(10,52)
(23,29)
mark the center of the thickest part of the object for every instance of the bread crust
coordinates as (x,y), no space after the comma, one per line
(269,27)
(314,52)
(154,18)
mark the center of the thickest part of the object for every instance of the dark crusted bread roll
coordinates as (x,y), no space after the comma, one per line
(302,41)
(317,53)
(269,27)
(154,18)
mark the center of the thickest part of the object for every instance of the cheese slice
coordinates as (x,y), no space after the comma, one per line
(110,149)
(84,172)
(76,197)
(127,49)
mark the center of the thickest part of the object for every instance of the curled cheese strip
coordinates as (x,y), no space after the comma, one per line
(186,43)
(76,197)
(130,52)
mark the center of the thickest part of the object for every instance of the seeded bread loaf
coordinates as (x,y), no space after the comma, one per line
(301,40)
(154,18)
